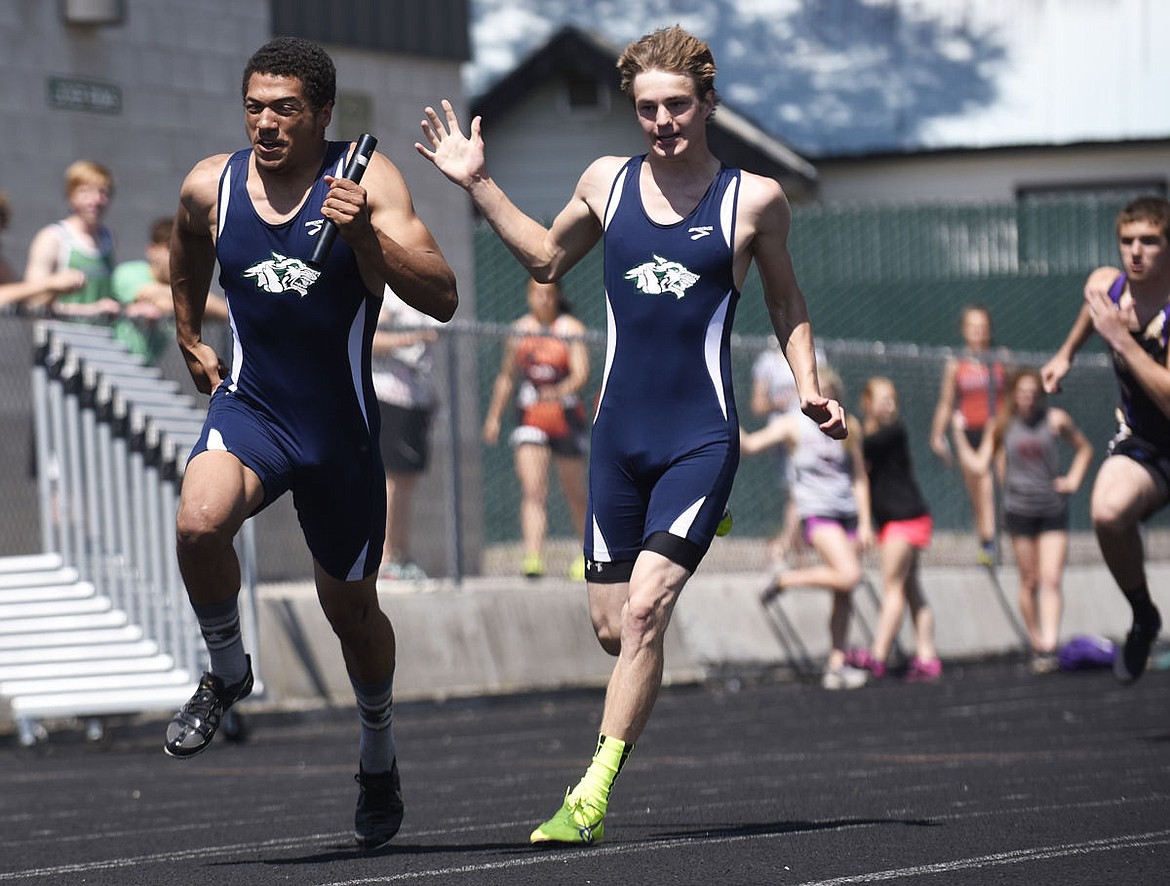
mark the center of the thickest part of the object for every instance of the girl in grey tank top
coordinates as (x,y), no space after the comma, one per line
(1025,445)
(831,490)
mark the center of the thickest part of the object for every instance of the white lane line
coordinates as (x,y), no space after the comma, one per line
(1133,841)
(1018,856)
(204,853)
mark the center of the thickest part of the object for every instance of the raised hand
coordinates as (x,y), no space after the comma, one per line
(459,157)
(1112,323)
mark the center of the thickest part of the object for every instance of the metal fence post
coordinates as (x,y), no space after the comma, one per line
(454,487)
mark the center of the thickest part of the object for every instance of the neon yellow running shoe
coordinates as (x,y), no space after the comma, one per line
(577,821)
(724,527)
(577,569)
(532,566)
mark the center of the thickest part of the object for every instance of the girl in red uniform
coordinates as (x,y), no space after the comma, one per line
(548,354)
(972,385)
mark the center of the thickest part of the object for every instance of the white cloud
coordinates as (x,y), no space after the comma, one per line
(860,75)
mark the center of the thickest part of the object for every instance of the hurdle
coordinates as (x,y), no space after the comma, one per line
(98,624)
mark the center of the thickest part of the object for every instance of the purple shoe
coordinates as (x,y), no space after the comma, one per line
(924,671)
(860,658)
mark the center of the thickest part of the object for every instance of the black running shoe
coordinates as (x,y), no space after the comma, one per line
(193,727)
(1131,659)
(379,807)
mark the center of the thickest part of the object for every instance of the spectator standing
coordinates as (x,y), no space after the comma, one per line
(972,383)
(403,382)
(1024,445)
(548,354)
(80,241)
(903,530)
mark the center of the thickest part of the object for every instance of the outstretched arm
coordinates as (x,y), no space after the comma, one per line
(46,288)
(1054,371)
(784,431)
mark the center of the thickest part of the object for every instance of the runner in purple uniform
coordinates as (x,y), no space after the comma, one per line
(1130,310)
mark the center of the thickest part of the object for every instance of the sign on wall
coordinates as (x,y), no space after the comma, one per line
(79,94)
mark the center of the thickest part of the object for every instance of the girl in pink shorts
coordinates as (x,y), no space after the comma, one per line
(904,528)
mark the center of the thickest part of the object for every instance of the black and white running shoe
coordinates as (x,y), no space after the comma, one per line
(193,727)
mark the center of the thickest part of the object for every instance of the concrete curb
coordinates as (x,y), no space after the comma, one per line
(495,636)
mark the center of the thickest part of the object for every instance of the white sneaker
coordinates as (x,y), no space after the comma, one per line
(845,677)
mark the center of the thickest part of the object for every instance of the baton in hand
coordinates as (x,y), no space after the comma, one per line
(353,171)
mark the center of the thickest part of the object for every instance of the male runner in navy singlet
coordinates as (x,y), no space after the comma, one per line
(297,411)
(680,232)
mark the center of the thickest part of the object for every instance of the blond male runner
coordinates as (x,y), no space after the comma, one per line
(680,232)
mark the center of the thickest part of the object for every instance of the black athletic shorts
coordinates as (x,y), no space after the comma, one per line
(1030,527)
(405,440)
(1146,455)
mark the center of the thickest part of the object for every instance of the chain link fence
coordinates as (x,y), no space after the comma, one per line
(884,286)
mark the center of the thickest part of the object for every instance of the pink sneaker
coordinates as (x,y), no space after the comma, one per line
(860,658)
(924,671)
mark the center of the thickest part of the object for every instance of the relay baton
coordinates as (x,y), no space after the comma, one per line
(353,171)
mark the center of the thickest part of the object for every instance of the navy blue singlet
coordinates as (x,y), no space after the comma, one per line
(666,436)
(299,407)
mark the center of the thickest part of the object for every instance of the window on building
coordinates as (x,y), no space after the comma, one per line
(583,95)
(353,114)
(1067,227)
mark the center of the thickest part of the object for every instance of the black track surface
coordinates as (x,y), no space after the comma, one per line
(992,775)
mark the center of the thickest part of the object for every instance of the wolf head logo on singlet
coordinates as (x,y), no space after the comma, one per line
(282,274)
(661,276)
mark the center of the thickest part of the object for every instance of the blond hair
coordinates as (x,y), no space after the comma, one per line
(672,50)
(873,381)
(87,172)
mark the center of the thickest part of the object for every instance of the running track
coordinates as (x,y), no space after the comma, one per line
(991,776)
